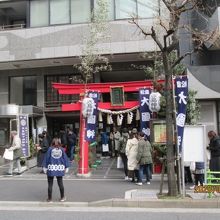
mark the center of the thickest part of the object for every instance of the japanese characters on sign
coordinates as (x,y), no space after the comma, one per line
(181,93)
(91,120)
(145,113)
(24,134)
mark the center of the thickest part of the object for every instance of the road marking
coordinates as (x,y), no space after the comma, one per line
(108,170)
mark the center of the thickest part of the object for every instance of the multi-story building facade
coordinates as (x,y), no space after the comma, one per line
(41,40)
(204,66)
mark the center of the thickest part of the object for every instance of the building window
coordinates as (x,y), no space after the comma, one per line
(52,12)
(59,12)
(53,99)
(23,90)
(80,11)
(125,8)
(3,137)
(147,8)
(39,7)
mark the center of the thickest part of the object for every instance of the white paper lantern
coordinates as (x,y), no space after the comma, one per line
(88,106)
(154,101)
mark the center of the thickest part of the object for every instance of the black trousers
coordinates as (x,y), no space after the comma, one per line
(134,174)
(188,175)
(199,178)
(125,163)
(50,186)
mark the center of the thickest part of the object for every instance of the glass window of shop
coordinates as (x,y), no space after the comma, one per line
(23,90)
(59,12)
(39,13)
(80,11)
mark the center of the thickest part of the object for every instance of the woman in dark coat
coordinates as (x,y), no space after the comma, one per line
(42,148)
(214,147)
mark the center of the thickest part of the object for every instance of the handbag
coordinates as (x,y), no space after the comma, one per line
(8,155)
(119,162)
(105,148)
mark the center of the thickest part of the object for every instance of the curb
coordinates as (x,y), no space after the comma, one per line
(125,203)
(156,203)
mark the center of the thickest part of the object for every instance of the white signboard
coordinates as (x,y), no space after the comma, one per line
(194,143)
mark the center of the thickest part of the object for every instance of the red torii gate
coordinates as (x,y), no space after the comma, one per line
(70,89)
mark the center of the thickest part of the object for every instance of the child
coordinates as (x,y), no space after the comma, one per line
(198,171)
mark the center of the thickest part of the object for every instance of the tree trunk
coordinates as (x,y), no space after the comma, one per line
(172,184)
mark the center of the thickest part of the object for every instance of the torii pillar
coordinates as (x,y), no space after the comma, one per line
(83,169)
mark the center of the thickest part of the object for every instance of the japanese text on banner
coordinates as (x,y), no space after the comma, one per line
(181,93)
(91,120)
(145,113)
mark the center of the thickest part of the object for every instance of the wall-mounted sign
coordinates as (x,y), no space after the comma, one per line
(117,95)
(158,131)
(158,128)
(24,134)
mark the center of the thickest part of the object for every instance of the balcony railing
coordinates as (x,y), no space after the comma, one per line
(13,26)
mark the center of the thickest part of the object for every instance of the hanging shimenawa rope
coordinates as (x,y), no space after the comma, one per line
(118,112)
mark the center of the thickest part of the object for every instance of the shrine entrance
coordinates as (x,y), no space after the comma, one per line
(119,104)
(61,120)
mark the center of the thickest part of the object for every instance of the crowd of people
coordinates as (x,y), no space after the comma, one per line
(134,150)
(67,140)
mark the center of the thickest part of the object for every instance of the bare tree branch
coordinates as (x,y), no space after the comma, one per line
(182,57)
(168,5)
(173,46)
(152,33)
(163,25)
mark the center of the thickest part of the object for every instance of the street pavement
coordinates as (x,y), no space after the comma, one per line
(105,187)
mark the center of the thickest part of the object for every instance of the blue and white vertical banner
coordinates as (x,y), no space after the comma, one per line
(23,126)
(145,113)
(181,94)
(91,120)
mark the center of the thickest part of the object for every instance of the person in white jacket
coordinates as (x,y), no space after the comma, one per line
(17,153)
(131,153)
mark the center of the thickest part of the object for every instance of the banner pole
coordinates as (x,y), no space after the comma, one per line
(178,165)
